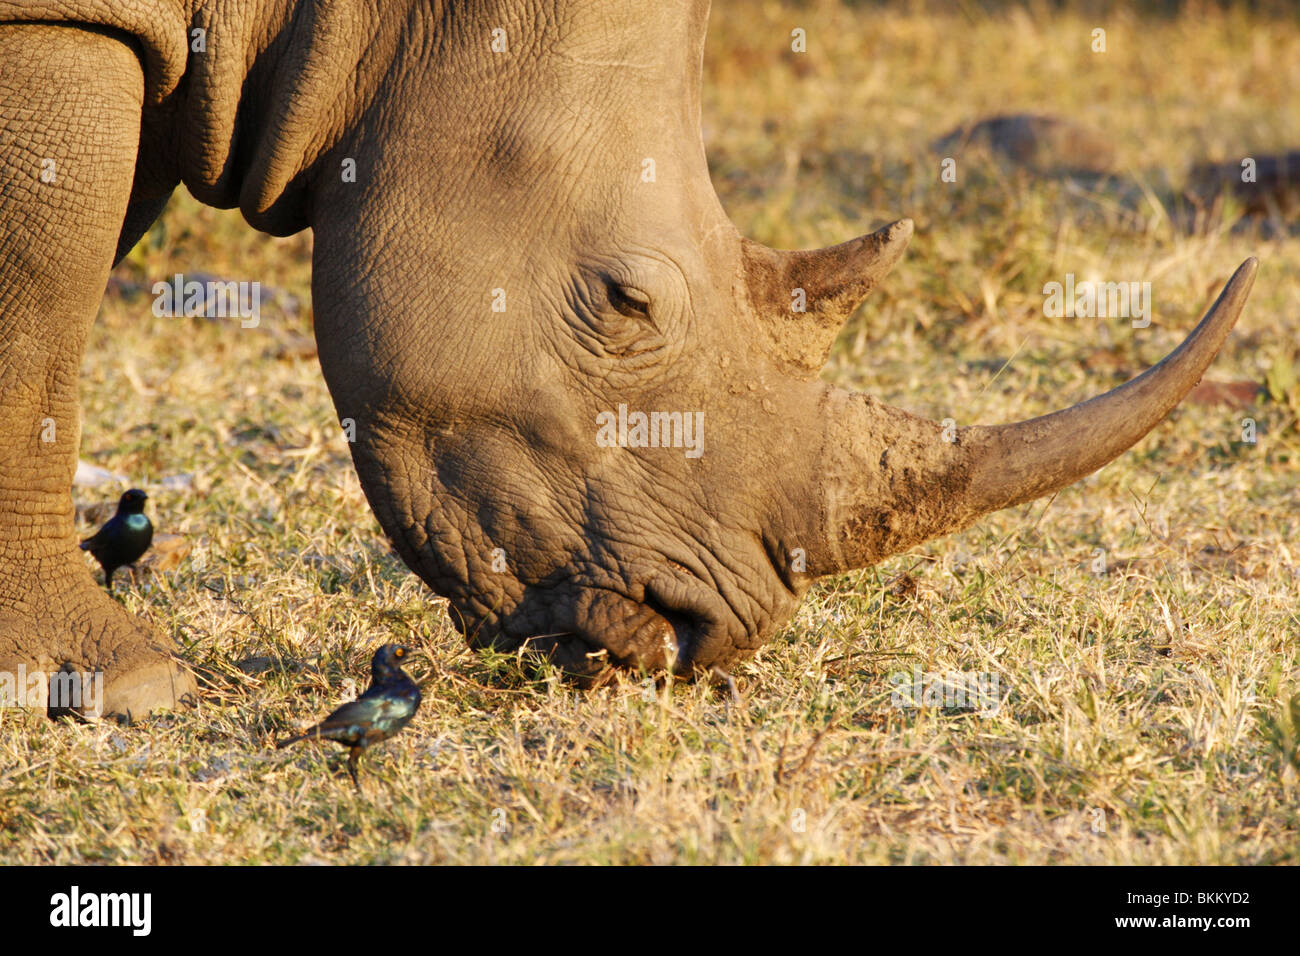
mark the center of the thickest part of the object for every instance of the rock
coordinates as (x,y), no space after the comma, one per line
(257,664)
(181,482)
(1275,189)
(92,476)
(1041,144)
(260,664)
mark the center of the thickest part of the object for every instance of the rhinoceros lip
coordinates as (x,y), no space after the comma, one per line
(681,620)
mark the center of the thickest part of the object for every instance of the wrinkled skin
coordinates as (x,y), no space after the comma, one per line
(484,178)
(477,429)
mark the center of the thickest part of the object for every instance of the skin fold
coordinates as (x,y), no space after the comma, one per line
(530,242)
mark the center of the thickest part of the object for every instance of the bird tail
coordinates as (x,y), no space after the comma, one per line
(313,734)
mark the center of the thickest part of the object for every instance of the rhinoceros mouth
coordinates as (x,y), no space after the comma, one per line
(684,611)
(673,621)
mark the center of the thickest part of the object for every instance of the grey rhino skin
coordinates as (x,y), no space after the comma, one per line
(482,178)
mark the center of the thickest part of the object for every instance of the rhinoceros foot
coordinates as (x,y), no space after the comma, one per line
(76,650)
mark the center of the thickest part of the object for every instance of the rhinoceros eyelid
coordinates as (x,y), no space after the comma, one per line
(629,301)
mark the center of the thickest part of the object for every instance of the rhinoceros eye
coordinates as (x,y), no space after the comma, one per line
(628,301)
(614,318)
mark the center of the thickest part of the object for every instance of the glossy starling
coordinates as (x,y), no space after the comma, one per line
(124,537)
(385,708)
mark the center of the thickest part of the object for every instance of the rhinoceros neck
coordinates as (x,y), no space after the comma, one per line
(245,109)
(243,98)
(283,81)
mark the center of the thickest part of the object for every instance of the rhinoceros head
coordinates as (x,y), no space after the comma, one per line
(586,409)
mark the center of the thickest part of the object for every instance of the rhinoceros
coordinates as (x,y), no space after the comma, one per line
(587,410)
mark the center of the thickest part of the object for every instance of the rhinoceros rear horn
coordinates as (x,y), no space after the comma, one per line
(808,295)
(893,480)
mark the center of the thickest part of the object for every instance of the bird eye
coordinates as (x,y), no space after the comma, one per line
(628,301)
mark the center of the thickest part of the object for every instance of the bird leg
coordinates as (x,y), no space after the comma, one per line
(353,754)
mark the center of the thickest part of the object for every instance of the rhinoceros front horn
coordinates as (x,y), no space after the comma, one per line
(806,296)
(892,479)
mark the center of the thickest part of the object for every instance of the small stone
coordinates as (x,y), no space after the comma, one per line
(258,664)
(92,476)
(1043,144)
(181,482)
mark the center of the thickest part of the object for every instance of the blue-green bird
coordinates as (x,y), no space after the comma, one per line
(124,538)
(385,708)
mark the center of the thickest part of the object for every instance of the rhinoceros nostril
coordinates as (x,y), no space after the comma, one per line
(673,633)
(698,614)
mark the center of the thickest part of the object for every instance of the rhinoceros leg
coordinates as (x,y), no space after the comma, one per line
(70,103)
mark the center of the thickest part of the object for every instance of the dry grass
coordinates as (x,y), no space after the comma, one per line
(1158,694)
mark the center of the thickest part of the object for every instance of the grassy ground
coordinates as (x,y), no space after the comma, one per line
(1147,714)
